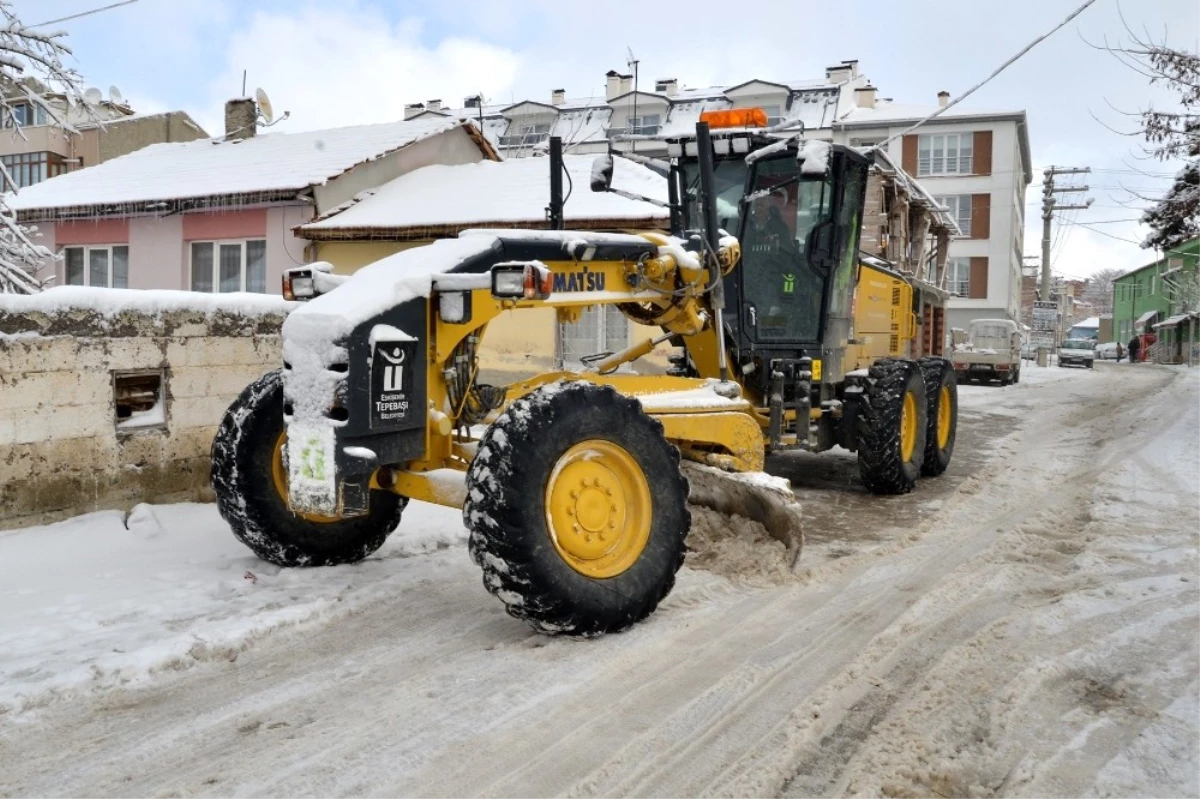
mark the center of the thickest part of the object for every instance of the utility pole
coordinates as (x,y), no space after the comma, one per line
(1049,206)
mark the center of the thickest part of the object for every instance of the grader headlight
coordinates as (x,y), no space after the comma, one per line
(522,281)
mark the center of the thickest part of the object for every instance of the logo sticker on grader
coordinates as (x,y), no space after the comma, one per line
(391,383)
(583,280)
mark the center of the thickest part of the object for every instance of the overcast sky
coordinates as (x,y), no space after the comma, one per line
(340,62)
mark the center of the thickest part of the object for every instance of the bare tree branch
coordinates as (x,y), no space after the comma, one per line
(33,75)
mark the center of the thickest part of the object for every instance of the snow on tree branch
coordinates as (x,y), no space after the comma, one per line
(32,71)
(1170,134)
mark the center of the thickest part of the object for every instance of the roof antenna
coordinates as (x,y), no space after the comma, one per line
(631,62)
(243,94)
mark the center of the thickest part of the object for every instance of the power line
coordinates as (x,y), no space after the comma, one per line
(880,147)
(1102,233)
(84,13)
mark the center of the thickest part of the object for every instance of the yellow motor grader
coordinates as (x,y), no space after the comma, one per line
(575,485)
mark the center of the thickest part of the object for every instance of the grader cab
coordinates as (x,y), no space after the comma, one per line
(575,487)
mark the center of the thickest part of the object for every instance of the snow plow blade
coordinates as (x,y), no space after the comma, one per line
(755,496)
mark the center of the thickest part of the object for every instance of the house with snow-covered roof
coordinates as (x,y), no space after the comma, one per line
(217,215)
(441,201)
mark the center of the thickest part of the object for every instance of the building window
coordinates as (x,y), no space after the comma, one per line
(27,169)
(224,266)
(774,117)
(103,266)
(958,276)
(858,142)
(645,125)
(526,136)
(25,115)
(960,209)
(945,154)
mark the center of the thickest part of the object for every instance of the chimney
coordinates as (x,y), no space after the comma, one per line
(667,86)
(472,102)
(838,74)
(943,98)
(241,116)
(412,109)
(613,85)
(434,105)
(851,65)
(626,84)
(558,96)
(864,96)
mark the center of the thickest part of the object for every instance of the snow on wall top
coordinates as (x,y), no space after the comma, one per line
(497,192)
(111,302)
(213,167)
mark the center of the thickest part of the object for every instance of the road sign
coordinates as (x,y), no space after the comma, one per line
(1045,316)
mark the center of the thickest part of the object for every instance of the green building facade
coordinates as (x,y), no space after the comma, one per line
(1156,292)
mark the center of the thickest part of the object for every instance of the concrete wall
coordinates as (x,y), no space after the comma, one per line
(61,452)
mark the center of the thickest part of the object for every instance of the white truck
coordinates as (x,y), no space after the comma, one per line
(992,351)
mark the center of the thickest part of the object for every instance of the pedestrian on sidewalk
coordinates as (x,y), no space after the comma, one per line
(1135,344)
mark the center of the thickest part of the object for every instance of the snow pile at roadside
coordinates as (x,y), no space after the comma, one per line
(90,604)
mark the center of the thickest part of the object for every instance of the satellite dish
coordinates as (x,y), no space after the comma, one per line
(93,96)
(264,105)
(115,95)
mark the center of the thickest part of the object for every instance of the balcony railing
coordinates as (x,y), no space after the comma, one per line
(635,130)
(523,139)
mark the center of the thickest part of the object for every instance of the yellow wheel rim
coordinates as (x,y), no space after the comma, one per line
(279,476)
(598,508)
(908,427)
(944,416)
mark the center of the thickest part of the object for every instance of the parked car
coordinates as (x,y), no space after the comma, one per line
(1107,351)
(1029,351)
(992,352)
(1077,352)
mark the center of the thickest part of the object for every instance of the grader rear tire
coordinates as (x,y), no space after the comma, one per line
(891,428)
(251,485)
(941,404)
(577,510)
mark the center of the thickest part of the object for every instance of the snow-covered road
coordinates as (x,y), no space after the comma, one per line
(1028,624)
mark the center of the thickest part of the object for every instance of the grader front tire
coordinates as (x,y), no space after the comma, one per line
(892,427)
(251,487)
(577,510)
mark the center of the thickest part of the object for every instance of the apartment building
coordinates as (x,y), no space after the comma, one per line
(33,147)
(975,162)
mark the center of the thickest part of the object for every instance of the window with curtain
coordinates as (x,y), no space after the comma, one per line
(960,209)
(945,154)
(958,276)
(226,266)
(103,266)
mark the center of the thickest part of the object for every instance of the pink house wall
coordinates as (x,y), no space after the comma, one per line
(92,231)
(248,224)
